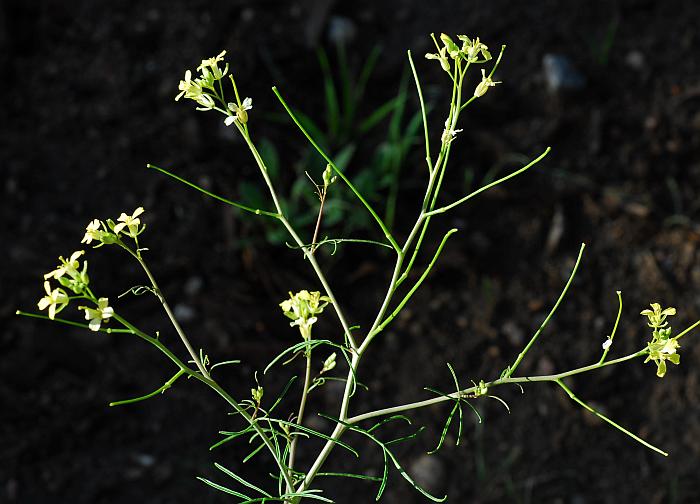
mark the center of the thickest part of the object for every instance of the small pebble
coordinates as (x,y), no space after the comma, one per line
(184,313)
(561,74)
(193,285)
(429,472)
(341,30)
(635,60)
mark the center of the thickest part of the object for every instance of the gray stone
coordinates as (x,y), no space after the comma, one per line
(560,74)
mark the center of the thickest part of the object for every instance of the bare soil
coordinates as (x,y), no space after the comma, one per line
(88,101)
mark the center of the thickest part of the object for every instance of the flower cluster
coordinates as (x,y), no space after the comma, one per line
(108,232)
(662,346)
(69,274)
(73,277)
(471,51)
(202,88)
(302,309)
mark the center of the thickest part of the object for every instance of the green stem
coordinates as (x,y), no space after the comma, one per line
(419,89)
(608,420)
(501,381)
(171,316)
(235,204)
(410,293)
(340,428)
(532,341)
(687,330)
(337,170)
(213,385)
(492,184)
(307,251)
(300,414)
(612,334)
(160,390)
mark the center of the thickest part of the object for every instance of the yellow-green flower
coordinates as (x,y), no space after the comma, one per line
(210,67)
(240,111)
(657,316)
(662,346)
(67,267)
(96,315)
(131,222)
(55,300)
(188,88)
(441,56)
(92,232)
(484,85)
(473,48)
(302,308)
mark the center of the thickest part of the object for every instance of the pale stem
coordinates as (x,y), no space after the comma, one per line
(501,381)
(340,428)
(169,313)
(300,414)
(307,253)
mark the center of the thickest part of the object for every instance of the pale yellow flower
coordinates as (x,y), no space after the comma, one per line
(92,232)
(131,222)
(240,111)
(96,315)
(55,300)
(484,85)
(69,267)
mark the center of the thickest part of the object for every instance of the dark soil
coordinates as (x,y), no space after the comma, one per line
(88,101)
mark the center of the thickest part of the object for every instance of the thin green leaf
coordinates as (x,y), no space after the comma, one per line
(379,114)
(317,434)
(522,354)
(254,452)
(339,172)
(331,95)
(445,429)
(349,475)
(405,438)
(389,419)
(241,480)
(240,206)
(282,394)
(224,489)
(159,390)
(230,436)
(303,345)
(223,363)
(489,186)
(597,413)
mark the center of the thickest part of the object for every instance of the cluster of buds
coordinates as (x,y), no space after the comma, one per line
(471,51)
(302,308)
(662,346)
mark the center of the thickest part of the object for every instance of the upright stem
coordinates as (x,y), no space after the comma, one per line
(307,253)
(169,312)
(300,414)
(214,386)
